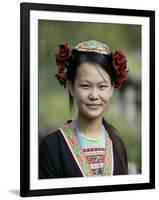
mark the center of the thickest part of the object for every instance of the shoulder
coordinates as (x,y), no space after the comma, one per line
(52,135)
(52,140)
(49,155)
(52,145)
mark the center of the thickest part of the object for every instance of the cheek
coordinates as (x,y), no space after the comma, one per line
(80,95)
(105,97)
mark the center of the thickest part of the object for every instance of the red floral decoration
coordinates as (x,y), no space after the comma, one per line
(119,63)
(62,60)
(62,77)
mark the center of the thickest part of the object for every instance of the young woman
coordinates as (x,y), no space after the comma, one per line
(87,145)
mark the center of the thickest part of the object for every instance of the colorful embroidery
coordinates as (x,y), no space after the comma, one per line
(77,150)
(108,167)
(95,157)
(80,157)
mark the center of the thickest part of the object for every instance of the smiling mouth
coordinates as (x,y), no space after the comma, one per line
(93,105)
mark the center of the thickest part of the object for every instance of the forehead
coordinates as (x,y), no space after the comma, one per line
(92,72)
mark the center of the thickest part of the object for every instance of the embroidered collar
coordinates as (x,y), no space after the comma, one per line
(79,156)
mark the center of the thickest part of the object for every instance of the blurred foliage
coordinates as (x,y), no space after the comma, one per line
(53,98)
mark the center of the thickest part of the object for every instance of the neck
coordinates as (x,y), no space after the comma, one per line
(89,127)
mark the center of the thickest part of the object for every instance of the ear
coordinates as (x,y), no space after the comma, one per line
(71,88)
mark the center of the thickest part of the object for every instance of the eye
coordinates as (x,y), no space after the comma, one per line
(85,86)
(103,86)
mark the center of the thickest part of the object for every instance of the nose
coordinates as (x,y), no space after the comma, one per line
(93,95)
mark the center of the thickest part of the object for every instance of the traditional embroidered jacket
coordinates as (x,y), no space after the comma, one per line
(61,156)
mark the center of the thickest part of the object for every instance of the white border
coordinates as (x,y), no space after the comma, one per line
(89,181)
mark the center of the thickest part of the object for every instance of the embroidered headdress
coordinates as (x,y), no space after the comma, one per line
(64,55)
(93,46)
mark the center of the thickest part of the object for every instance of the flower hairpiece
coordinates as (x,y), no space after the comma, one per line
(62,60)
(119,64)
(65,52)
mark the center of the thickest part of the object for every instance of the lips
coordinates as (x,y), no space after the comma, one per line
(93,105)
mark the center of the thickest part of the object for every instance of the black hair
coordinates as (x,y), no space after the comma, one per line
(105,62)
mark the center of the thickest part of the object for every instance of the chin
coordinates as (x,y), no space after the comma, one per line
(91,115)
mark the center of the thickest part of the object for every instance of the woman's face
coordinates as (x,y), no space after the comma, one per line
(91,90)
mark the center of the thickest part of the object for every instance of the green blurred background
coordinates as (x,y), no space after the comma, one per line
(124,112)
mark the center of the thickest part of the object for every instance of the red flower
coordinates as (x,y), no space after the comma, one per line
(62,60)
(119,60)
(62,77)
(63,55)
(119,63)
(121,79)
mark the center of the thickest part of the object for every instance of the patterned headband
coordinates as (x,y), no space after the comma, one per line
(64,55)
(93,46)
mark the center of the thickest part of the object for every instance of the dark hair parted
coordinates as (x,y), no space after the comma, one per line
(79,57)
